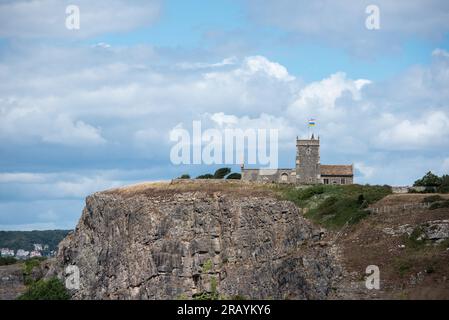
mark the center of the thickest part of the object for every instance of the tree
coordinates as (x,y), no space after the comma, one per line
(429,180)
(205,176)
(235,175)
(51,289)
(184,176)
(221,173)
(444,187)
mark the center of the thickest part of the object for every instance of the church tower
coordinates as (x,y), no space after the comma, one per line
(308,161)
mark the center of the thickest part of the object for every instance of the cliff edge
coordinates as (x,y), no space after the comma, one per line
(196,240)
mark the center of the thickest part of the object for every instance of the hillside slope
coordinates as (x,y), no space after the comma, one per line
(222,239)
(410,245)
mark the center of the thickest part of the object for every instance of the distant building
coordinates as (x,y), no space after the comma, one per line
(22,254)
(37,247)
(308,168)
(35,253)
(6,252)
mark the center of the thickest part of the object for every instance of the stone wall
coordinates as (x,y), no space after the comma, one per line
(337,179)
(266,175)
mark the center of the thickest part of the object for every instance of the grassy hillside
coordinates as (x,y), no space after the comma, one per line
(25,239)
(334,205)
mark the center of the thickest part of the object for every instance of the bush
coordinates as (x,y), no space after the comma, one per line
(234,176)
(444,187)
(184,176)
(205,176)
(221,173)
(5,261)
(31,263)
(438,205)
(51,289)
(335,205)
(429,180)
(431,199)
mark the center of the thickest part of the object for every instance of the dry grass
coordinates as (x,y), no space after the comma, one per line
(168,188)
(397,199)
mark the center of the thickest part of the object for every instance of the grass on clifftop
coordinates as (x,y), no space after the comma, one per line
(334,205)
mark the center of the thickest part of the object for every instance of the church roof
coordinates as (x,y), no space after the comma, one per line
(336,170)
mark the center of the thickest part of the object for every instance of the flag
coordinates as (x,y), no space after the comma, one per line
(311,122)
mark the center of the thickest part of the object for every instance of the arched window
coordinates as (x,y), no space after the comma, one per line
(284,177)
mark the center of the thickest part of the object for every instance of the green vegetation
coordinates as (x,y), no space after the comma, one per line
(431,180)
(431,199)
(438,205)
(184,176)
(51,289)
(234,176)
(334,205)
(415,240)
(25,239)
(403,266)
(207,266)
(221,173)
(5,261)
(212,295)
(205,176)
(28,267)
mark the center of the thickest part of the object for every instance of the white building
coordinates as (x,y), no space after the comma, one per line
(35,253)
(22,254)
(6,252)
(37,247)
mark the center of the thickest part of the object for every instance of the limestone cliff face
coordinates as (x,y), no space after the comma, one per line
(169,242)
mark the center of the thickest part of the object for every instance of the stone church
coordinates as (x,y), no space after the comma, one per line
(308,169)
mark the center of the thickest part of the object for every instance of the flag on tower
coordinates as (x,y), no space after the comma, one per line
(311,122)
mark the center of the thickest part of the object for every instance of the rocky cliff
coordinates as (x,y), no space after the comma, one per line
(184,240)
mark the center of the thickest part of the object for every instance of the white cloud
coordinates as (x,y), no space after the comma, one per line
(21,177)
(428,131)
(445,166)
(203,65)
(46,18)
(365,170)
(342,23)
(251,67)
(319,98)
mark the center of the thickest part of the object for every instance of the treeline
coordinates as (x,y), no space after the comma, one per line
(434,182)
(25,239)
(222,173)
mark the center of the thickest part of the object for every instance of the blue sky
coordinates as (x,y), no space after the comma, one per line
(90,109)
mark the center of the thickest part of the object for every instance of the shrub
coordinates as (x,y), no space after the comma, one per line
(444,187)
(5,261)
(207,266)
(438,205)
(234,176)
(429,180)
(205,176)
(335,205)
(415,239)
(184,176)
(221,173)
(51,289)
(433,198)
(212,295)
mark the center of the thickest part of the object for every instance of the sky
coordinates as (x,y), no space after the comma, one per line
(92,108)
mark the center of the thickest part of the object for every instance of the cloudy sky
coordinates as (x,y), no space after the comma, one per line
(89,109)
